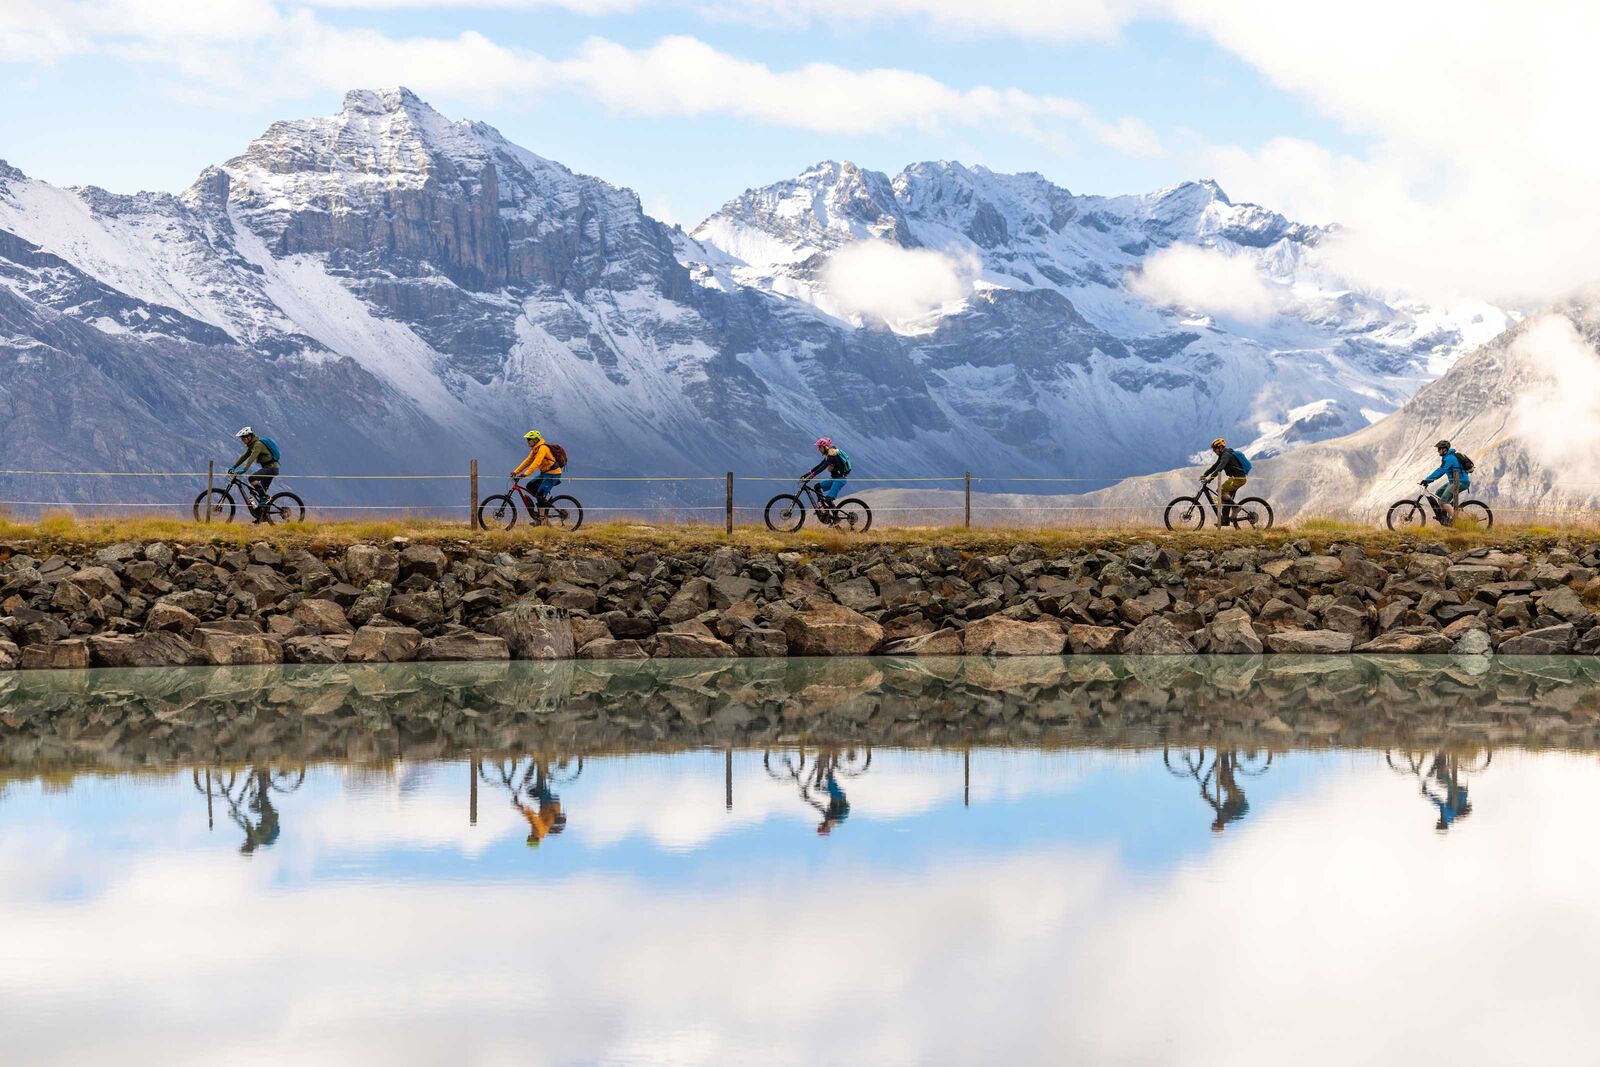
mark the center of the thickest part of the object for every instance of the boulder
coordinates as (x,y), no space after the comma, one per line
(383,644)
(1086,640)
(164,616)
(692,598)
(586,629)
(757,642)
(606,648)
(857,594)
(10,655)
(1416,640)
(313,649)
(1000,636)
(97,582)
(1564,603)
(672,644)
(155,649)
(1468,578)
(426,560)
(1472,643)
(1347,620)
(947,642)
(71,654)
(321,617)
(1316,570)
(1156,636)
(364,564)
(1550,641)
(534,631)
(224,649)
(824,629)
(1310,642)
(1230,634)
(464,646)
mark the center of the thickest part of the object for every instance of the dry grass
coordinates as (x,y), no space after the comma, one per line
(622,537)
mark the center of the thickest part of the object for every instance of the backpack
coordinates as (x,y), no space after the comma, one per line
(1244,460)
(272,446)
(558,454)
(1466,463)
(844,461)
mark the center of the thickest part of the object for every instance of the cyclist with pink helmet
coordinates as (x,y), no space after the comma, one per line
(837,465)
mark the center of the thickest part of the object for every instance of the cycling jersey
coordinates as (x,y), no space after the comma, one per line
(1228,461)
(1450,464)
(259,453)
(540,459)
(833,460)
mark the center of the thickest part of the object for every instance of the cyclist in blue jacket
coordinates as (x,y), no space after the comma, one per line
(1456,478)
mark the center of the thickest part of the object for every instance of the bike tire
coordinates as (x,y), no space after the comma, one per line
(563,516)
(1254,511)
(285,507)
(789,516)
(221,506)
(497,512)
(852,515)
(1192,516)
(1406,515)
(1474,514)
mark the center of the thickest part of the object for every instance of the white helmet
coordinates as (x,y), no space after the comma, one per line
(246,432)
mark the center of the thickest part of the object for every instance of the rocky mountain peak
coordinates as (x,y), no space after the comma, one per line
(384,101)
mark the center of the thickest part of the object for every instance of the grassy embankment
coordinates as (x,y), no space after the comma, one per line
(66,531)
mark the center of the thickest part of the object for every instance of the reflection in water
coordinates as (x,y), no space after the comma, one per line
(1009,858)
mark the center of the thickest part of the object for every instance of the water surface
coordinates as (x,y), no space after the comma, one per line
(829,862)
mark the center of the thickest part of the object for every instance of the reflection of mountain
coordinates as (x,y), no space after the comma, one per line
(52,722)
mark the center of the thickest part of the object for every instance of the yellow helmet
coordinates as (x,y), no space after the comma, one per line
(1219,443)
(532,435)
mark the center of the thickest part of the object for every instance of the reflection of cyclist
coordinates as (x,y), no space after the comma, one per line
(1233,805)
(837,809)
(1232,462)
(547,817)
(1451,797)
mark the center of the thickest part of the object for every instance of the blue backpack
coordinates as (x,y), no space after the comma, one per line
(1244,460)
(845,460)
(272,446)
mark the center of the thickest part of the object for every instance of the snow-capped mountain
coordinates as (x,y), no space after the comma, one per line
(387,290)
(1525,407)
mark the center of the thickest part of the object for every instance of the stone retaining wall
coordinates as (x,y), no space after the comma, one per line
(176,605)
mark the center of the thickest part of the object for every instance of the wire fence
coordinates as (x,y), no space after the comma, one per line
(730,499)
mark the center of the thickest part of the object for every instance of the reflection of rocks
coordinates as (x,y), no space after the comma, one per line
(127,719)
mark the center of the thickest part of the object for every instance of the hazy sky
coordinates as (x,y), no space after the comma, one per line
(1450,140)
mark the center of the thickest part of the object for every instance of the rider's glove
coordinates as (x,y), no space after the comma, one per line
(233,470)
(1423,484)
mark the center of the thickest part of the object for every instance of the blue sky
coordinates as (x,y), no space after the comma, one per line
(133,124)
(1446,141)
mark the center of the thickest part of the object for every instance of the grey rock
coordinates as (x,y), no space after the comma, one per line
(605,648)
(757,642)
(1156,636)
(155,649)
(999,636)
(1472,643)
(1549,641)
(672,644)
(1310,642)
(1413,640)
(224,649)
(71,654)
(321,617)
(316,649)
(534,631)
(824,629)
(464,646)
(383,644)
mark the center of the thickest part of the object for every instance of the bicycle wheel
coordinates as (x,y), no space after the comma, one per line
(285,507)
(1473,515)
(217,503)
(1407,515)
(498,512)
(1185,513)
(1252,513)
(785,513)
(564,513)
(853,515)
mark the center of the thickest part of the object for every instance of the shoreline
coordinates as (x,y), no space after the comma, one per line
(160,603)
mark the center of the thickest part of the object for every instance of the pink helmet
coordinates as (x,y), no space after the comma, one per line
(825,442)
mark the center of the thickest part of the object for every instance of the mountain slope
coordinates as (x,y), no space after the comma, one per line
(389,290)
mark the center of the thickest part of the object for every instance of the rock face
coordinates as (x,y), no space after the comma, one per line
(171,605)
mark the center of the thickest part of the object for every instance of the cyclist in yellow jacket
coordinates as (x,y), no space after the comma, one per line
(541,463)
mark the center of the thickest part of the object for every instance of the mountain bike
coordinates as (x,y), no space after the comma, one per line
(218,505)
(499,512)
(786,512)
(1413,514)
(1189,512)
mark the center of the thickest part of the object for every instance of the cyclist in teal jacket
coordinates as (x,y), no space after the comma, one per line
(1457,480)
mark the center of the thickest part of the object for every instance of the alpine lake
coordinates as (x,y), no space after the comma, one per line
(1120,860)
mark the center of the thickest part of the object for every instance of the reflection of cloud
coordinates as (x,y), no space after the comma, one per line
(1335,911)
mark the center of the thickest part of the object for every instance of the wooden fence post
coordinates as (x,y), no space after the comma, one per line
(211,479)
(730,503)
(969,499)
(472,477)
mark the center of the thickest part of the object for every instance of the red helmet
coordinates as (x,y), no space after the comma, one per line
(825,442)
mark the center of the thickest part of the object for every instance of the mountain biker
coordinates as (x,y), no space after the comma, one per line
(1456,479)
(838,468)
(541,463)
(1232,462)
(262,451)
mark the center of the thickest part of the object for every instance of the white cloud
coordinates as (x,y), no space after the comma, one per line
(1480,177)
(1557,417)
(880,279)
(1060,20)
(1206,281)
